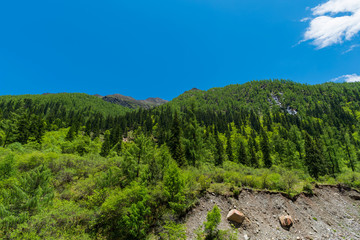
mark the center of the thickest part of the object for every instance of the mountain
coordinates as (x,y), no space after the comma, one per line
(279,95)
(132,103)
(98,170)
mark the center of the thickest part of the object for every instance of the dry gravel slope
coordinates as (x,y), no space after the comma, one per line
(331,213)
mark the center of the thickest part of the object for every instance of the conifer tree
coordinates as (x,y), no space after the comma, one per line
(23,131)
(242,155)
(175,144)
(349,151)
(106,146)
(313,158)
(229,150)
(115,135)
(252,151)
(265,148)
(71,134)
(219,158)
(174,187)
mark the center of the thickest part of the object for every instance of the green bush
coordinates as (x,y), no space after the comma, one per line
(307,188)
(213,219)
(173,231)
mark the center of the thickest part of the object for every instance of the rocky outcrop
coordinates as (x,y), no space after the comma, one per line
(130,102)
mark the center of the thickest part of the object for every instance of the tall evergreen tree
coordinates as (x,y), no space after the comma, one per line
(265,148)
(242,155)
(229,150)
(175,143)
(219,157)
(23,131)
(313,158)
(252,151)
(71,133)
(106,146)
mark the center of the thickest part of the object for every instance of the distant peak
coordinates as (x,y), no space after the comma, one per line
(120,96)
(155,100)
(194,89)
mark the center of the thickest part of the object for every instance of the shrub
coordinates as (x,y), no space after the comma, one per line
(173,231)
(212,221)
(307,188)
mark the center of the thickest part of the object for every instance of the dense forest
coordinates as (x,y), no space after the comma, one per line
(73,166)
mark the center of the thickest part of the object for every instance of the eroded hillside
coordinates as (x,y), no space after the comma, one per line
(332,213)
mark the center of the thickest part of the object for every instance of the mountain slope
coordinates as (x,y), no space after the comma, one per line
(137,175)
(260,95)
(332,213)
(70,101)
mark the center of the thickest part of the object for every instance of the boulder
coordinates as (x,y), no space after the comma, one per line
(235,216)
(286,221)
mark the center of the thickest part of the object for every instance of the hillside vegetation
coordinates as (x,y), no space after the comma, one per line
(64,101)
(75,172)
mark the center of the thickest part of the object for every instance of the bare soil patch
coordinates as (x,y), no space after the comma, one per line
(332,213)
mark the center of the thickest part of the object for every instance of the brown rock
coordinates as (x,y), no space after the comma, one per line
(286,221)
(235,216)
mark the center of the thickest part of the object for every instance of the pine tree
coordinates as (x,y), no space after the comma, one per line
(349,151)
(313,158)
(229,150)
(174,186)
(71,134)
(175,144)
(106,146)
(115,135)
(253,158)
(242,155)
(265,148)
(23,131)
(219,158)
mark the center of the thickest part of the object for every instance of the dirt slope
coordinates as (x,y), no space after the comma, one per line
(332,213)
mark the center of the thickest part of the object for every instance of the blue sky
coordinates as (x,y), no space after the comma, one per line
(162,48)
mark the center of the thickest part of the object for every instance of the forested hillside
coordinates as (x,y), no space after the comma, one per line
(78,169)
(60,102)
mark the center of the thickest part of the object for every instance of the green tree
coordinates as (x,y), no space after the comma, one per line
(229,150)
(349,152)
(23,131)
(213,219)
(71,134)
(24,198)
(173,231)
(126,213)
(242,155)
(265,148)
(175,144)
(252,152)
(219,146)
(174,187)
(106,146)
(313,158)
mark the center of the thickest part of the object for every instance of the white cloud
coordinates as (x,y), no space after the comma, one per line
(349,78)
(305,19)
(352,47)
(326,28)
